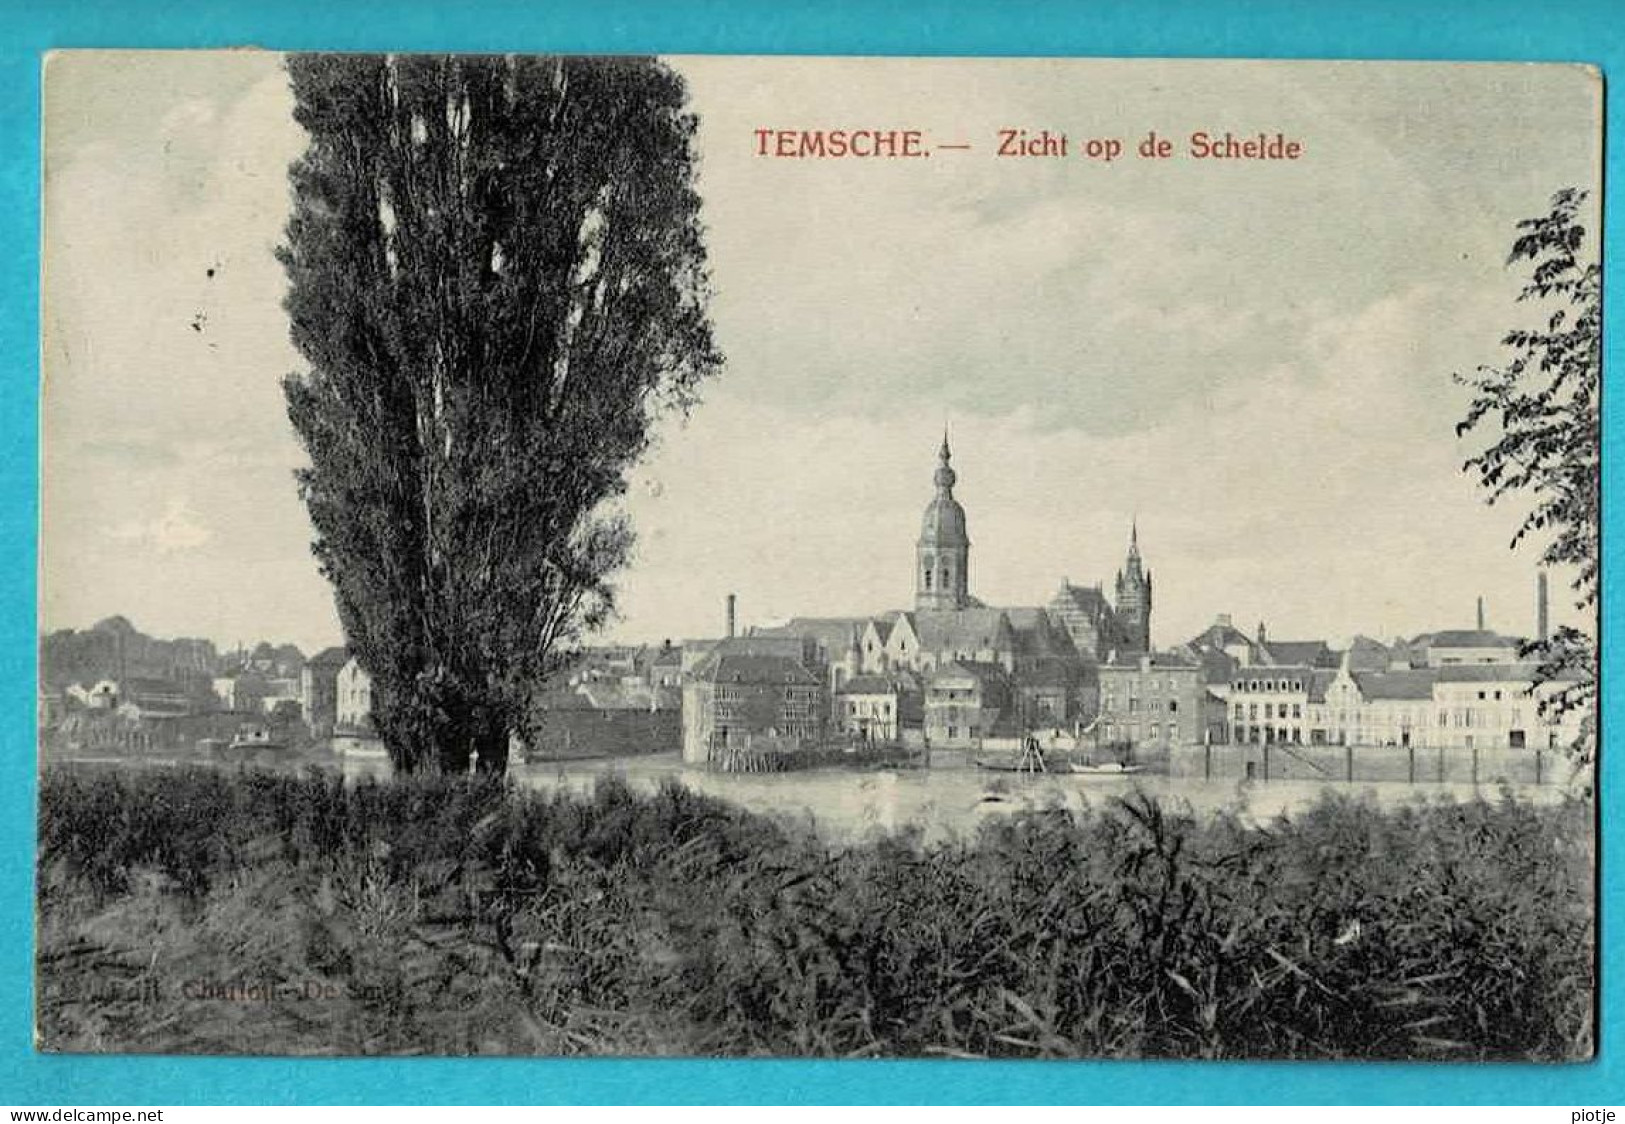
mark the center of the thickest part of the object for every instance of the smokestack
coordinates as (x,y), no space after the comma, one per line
(1481,614)
(1542,621)
(731,600)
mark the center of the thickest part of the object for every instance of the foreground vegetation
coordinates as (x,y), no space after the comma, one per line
(196,910)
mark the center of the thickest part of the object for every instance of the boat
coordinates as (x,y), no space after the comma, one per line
(1008,765)
(1109,769)
(252,745)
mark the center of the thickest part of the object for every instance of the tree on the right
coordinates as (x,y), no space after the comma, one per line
(1540,410)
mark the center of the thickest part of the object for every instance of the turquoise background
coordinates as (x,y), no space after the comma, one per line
(1576,30)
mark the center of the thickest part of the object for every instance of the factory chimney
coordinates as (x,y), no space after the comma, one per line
(1481,614)
(1543,625)
(731,601)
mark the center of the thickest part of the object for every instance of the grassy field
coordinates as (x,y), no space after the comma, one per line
(195,910)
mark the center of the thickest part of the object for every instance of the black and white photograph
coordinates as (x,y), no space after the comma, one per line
(818,557)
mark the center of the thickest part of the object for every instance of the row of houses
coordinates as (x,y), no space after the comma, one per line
(779,686)
(1456,690)
(330,695)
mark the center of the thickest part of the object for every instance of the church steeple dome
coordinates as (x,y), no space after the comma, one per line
(945,476)
(942,556)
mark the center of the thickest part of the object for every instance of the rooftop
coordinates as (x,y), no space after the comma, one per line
(1134,661)
(1465,638)
(835,634)
(745,667)
(1305,653)
(969,670)
(873,685)
(1086,598)
(1417,684)
(1487,672)
(959,629)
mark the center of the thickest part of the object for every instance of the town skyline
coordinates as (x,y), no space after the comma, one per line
(1105,346)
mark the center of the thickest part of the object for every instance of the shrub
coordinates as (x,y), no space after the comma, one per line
(451,916)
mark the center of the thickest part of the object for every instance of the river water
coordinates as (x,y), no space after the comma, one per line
(848,805)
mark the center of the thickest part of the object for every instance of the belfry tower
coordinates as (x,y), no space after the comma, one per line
(942,557)
(1134,596)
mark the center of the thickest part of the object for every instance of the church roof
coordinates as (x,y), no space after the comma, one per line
(889,623)
(1085,597)
(1024,618)
(1037,634)
(883,626)
(940,629)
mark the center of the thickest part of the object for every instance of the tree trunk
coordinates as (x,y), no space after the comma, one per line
(491,747)
(454,745)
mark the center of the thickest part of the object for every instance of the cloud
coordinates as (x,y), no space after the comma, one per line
(1255,360)
(178,530)
(1324,495)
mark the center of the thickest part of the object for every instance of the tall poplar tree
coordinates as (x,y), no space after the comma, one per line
(497,277)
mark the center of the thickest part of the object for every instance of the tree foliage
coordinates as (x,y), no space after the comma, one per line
(497,277)
(1541,407)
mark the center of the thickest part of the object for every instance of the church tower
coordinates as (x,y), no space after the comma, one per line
(1134,596)
(942,557)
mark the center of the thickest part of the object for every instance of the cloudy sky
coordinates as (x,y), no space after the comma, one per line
(1253,358)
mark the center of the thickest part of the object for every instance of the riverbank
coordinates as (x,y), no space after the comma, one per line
(192,910)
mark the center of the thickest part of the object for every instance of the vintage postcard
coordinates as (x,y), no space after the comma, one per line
(818,557)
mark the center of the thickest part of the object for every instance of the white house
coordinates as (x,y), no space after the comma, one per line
(353,704)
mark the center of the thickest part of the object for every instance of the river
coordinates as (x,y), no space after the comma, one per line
(846,805)
(849,805)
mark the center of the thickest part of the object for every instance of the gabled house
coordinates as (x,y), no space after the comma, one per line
(738,699)
(879,708)
(967,701)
